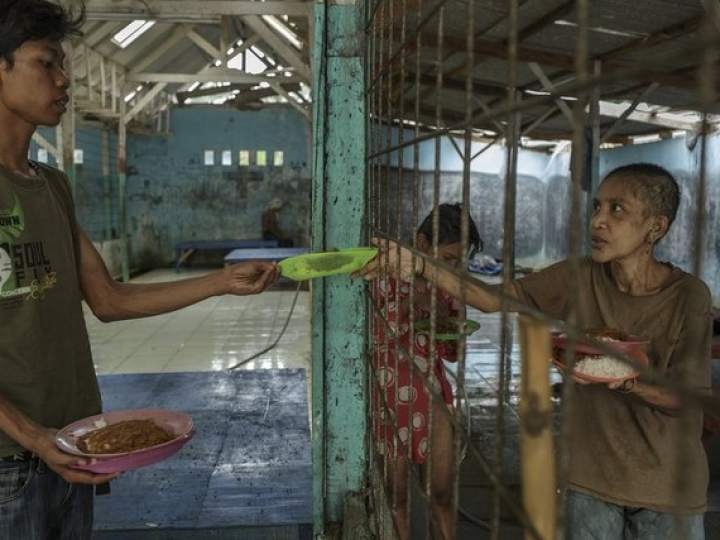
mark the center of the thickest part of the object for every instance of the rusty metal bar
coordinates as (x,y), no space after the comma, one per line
(504,362)
(464,241)
(407,43)
(432,351)
(388,141)
(575,237)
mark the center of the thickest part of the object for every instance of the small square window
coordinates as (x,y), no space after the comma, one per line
(209,157)
(261,158)
(278,158)
(42,155)
(244,158)
(78,156)
(226,158)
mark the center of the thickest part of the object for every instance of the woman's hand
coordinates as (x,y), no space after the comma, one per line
(388,257)
(248,278)
(625,386)
(43,446)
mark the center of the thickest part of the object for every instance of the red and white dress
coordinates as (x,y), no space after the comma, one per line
(407,396)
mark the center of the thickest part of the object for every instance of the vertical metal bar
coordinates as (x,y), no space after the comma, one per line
(575,235)
(417,183)
(432,353)
(381,133)
(593,175)
(377,409)
(459,436)
(398,240)
(707,94)
(504,364)
(382,206)
(394,449)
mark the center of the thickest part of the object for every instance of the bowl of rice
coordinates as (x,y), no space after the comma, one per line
(594,365)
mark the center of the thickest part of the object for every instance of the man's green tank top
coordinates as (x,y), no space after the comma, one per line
(46,367)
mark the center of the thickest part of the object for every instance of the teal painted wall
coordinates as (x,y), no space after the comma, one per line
(173,196)
(339,308)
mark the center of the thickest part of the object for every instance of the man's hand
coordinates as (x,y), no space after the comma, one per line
(247,278)
(43,446)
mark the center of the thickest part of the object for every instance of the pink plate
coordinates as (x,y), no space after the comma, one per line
(179,424)
(640,356)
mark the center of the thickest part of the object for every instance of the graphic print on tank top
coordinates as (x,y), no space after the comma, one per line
(25,270)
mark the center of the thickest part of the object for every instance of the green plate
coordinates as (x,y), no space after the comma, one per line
(424,327)
(317,265)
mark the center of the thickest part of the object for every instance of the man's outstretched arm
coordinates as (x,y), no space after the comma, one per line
(111,301)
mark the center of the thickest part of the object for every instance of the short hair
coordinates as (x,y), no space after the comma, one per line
(26,20)
(450,227)
(654,186)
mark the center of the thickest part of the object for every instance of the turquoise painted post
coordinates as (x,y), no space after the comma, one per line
(339,308)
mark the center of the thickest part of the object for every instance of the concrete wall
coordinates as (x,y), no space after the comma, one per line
(95,194)
(173,196)
(542,213)
(538,174)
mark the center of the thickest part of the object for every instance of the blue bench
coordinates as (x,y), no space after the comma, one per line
(263,254)
(184,250)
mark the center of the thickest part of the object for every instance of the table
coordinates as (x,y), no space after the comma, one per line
(265,254)
(184,250)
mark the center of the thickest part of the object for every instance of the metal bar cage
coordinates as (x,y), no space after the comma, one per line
(459,436)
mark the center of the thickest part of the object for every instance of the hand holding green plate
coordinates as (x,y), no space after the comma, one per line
(330,263)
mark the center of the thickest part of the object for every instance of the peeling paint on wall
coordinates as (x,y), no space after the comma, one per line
(174,197)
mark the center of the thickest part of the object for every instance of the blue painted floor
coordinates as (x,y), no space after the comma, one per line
(249,464)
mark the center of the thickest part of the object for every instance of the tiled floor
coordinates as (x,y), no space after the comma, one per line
(248,464)
(217,333)
(234,474)
(209,336)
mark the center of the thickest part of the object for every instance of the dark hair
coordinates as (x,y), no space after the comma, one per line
(25,20)
(450,227)
(654,186)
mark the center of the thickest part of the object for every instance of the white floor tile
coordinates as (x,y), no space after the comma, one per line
(211,335)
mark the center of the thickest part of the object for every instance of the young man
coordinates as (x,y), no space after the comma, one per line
(47,266)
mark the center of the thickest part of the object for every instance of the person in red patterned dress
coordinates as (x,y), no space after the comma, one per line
(401,386)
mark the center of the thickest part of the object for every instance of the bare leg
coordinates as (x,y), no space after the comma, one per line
(443,473)
(397,490)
